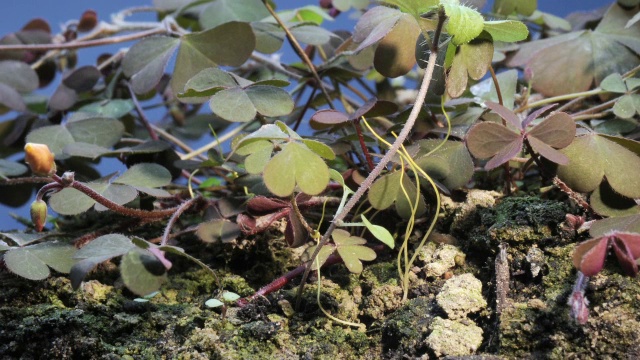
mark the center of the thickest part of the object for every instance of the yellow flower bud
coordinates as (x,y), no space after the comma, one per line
(39,214)
(40,159)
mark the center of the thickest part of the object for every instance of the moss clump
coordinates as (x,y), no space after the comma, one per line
(404,331)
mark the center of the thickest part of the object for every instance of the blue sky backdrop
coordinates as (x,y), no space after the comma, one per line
(17,13)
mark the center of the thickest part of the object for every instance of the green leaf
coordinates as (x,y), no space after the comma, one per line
(146,175)
(625,107)
(323,255)
(465,24)
(110,245)
(23,262)
(506,30)
(396,52)
(233,105)
(629,223)
(455,156)
(508,7)
(320,149)
(207,82)
(351,250)
(606,202)
(592,157)
(387,190)
(593,55)
(33,262)
(222,11)
(229,44)
(218,231)
(213,303)
(270,100)
(22,239)
(142,272)
(145,62)
(379,232)
(613,83)
(114,108)
(103,132)
(10,98)
(259,155)
(18,75)
(473,59)
(11,168)
(296,165)
(269,37)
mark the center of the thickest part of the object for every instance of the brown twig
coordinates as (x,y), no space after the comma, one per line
(300,52)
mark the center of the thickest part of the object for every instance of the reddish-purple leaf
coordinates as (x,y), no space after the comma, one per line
(505,113)
(364,108)
(625,258)
(535,115)
(295,234)
(327,118)
(557,131)
(379,108)
(505,154)
(486,139)
(633,243)
(547,151)
(589,256)
(265,205)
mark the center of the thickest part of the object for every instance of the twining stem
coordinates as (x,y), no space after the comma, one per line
(366,184)
(300,52)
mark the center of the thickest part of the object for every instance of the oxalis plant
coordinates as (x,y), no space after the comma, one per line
(301,144)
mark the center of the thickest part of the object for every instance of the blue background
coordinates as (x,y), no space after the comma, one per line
(16,13)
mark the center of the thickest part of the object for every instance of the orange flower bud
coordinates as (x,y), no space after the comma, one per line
(40,159)
(39,214)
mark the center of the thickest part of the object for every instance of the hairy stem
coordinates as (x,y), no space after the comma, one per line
(366,184)
(172,220)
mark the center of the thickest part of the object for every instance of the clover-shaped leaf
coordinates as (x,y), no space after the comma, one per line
(606,202)
(142,272)
(352,250)
(465,23)
(142,177)
(296,165)
(219,230)
(585,51)
(471,60)
(628,104)
(451,164)
(501,143)
(594,156)
(229,44)
(236,99)
(222,11)
(32,262)
(103,132)
(387,190)
(11,168)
